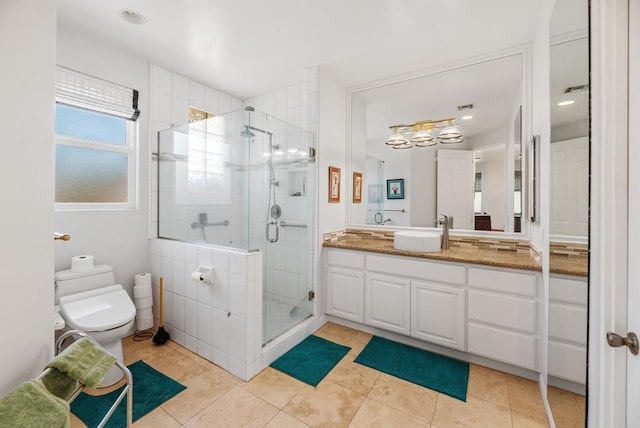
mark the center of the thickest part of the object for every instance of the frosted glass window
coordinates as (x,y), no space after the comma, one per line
(77,122)
(88,175)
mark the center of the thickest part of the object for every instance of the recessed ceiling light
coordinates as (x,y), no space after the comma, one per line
(132,16)
(477,159)
(566,103)
(466,117)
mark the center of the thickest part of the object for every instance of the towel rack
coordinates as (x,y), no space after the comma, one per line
(287,224)
(400,211)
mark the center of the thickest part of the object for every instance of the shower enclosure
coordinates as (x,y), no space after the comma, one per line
(244,180)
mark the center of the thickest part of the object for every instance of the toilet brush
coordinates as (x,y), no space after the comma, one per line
(161,335)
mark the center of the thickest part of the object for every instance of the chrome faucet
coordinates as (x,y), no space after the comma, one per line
(447,223)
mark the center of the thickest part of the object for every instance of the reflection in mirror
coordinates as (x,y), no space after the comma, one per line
(478,181)
(569,86)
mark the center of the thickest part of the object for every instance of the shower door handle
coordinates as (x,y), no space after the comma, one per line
(268,231)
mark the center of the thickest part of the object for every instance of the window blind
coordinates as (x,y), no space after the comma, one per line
(517,181)
(477,185)
(84,91)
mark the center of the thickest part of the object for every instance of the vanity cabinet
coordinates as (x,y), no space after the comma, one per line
(438,313)
(387,302)
(568,328)
(503,316)
(345,285)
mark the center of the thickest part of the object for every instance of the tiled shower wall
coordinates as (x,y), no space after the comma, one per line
(220,322)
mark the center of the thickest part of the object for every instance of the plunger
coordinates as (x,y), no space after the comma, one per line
(161,335)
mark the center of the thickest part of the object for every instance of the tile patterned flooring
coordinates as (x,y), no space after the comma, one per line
(350,396)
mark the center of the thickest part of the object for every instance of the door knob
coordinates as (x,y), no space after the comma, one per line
(631,341)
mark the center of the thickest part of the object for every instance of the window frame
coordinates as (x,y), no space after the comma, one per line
(130,149)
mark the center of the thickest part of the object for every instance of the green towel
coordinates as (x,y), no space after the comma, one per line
(60,384)
(83,361)
(31,405)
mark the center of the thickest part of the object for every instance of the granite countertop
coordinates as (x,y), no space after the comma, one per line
(474,255)
(569,265)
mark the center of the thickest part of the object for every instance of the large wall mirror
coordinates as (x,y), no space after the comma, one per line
(478,181)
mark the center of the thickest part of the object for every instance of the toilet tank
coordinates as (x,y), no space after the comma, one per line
(68,282)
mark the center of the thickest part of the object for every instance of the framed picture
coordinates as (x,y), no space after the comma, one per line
(357,187)
(334,184)
(375,193)
(395,188)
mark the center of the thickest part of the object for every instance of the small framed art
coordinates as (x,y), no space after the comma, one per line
(357,187)
(334,184)
(395,188)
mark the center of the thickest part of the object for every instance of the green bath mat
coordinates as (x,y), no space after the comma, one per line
(311,359)
(150,389)
(433,371)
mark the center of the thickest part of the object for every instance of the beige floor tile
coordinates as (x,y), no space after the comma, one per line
(357,344)
(327,405)
(157,418)
(173,364)
(211,366)
(452,413)
(145,350)
(76,422)
(521,420)
(487,384)
(237,408)
(203,388)
(336,333)
(566,408)
(274,387)
(582,404)
(524,397)
(353,376)
(405,396)
(283,420)
(377,415)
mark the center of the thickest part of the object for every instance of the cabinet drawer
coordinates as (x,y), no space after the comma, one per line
(513,348)
(348,259)
(568,290)
(568,322)
(567,361)
(507,282)
(503,311)
(440,272)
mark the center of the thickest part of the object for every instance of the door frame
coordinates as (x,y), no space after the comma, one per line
(608,218)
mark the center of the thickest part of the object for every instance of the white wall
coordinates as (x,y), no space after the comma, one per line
(27,47)
(331,151)
(115,237)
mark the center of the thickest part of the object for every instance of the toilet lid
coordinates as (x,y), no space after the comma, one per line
(98,312)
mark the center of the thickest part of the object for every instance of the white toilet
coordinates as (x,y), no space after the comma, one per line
(91,301)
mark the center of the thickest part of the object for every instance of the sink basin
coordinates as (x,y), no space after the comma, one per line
(421,242)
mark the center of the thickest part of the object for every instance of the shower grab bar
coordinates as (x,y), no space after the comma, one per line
(286,224)
(195,224)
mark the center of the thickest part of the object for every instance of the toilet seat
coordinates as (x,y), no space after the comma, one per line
(98,310)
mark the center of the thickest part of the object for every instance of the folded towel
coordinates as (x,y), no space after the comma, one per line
(60,384)
(84,361)
(31,405)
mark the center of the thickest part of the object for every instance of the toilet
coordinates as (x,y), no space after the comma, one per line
(91,301)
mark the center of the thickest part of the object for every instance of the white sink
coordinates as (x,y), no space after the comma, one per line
(421,242)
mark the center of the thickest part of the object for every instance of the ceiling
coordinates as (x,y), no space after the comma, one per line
(569,64)
(251,47)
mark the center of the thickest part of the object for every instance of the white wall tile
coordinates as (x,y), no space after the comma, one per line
(212,100)
(160,79)
(155,247)
(225,103)
(221,358)
(205,323)
(190,286)
(161,107)
(196,94)
(179,111)
(205,293)
(205,350)
(220,260)
(180,86)
(191,318)
(191,254)
(166,272)
(205,257)
(237,263)
(220,330)
(238,337)
(191,343)
(221,290)
(167,307)
(178,336)
(238,295)
(178,312)
(238,367)
(178,277)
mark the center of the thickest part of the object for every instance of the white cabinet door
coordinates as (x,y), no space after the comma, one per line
(455,186)
(345,289)
(388,302)
(437,314)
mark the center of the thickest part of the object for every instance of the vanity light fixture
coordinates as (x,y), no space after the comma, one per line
(566,103)
(419,134)
(468,117)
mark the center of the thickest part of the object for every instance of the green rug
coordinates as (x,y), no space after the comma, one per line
(311,359)
(150,389)
(433,371)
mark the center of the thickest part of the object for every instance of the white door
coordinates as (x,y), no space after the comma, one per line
(455,180)
(633,260)
(570,187)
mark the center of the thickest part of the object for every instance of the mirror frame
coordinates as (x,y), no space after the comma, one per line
(526,137)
